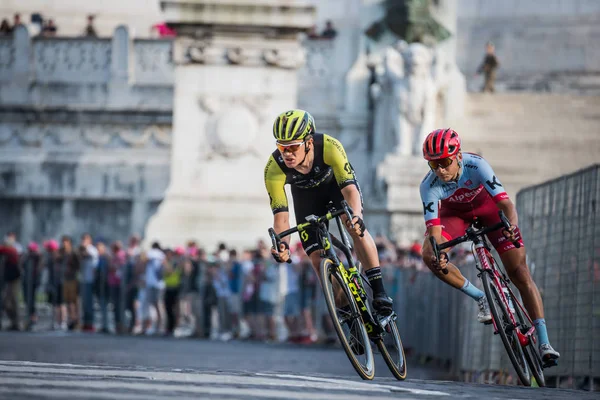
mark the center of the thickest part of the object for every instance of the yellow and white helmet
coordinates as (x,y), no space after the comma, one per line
(293,125)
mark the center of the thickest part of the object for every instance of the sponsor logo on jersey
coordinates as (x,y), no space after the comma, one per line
(464,195)
(427,208)
(493,183)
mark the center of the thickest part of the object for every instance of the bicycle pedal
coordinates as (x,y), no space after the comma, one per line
(550,364)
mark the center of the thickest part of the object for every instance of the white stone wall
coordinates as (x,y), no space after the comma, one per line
(85,134)
(531,37)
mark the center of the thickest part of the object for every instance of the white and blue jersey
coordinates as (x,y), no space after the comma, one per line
(466,194)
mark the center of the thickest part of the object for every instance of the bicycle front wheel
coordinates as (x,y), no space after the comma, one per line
(506,329)
(392,351)
(347,320)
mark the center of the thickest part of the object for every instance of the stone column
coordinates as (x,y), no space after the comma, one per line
(27,222)
(21,68)
(235,72)
(68,218)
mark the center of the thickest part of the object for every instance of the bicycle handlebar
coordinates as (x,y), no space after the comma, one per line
(276,238)
(470,235)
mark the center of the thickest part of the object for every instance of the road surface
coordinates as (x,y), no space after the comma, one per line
(51,365)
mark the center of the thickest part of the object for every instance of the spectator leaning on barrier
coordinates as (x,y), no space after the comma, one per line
(54,286)
(31,266)
(117,266)
(88,254)
(154,284)
(101,284)
(172,276)
(234,271)
(9,284)
(69,269)
(268,296)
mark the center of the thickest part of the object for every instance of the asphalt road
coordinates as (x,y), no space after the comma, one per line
(82,366)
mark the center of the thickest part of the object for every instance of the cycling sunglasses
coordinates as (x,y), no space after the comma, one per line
(444,163)
(292,148)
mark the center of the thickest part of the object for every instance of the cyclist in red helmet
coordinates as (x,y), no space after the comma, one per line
(460,187)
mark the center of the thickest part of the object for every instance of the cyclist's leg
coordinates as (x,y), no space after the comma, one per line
(307,202)
(455,226)
(514,260)
(366,252)
(452,226)
(515,263)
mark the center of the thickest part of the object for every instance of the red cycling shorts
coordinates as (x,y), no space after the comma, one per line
(456,221)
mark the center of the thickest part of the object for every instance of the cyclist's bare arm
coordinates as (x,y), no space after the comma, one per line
(281,222)
(435,232)
(352,197)
(510,211)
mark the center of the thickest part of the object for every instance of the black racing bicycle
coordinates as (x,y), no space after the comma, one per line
(356,324)
(509,317)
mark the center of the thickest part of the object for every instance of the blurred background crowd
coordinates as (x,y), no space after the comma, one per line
(94,285)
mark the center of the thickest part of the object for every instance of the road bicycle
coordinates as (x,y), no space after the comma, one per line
(355,322)
(509,317)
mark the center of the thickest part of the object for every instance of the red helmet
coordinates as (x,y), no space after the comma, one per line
(441,143)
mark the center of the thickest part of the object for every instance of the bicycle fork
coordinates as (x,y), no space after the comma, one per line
(485,267)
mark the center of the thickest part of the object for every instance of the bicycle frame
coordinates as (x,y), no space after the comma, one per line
(350,275)
(487,264)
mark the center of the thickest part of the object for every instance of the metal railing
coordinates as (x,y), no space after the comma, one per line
(560,224)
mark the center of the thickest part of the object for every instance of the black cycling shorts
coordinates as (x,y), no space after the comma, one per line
(315,201)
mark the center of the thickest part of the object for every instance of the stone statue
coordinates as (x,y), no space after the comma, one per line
(410,20)
(405,94)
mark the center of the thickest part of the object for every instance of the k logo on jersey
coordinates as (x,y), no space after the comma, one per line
(494,183)
(427,208)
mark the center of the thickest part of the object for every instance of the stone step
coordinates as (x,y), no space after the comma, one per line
(529,138)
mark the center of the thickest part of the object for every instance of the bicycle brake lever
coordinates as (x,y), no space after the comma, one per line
(506,224)
(347,210)
(274,240)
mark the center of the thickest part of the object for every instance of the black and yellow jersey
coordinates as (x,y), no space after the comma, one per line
(330,162)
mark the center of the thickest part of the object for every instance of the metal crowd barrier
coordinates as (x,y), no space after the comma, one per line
(560,224)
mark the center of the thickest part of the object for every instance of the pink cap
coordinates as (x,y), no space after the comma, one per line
(51,245)
(33,246)
(179,250)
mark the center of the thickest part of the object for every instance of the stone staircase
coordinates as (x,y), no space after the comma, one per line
(529,138)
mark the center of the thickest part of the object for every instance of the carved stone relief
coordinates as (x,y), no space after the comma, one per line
(206,52)
(232,126)
(65,135)
(153,62)
(7,54)
(72,59)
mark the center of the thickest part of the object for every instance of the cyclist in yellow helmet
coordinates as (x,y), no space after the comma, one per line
(318,170)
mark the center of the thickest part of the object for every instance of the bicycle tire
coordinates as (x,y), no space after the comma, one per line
(328,270)
(531,352)
(501,315)
(398,369)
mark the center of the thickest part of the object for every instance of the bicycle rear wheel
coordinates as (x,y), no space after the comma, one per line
(531,352)
(348,324)
(392,351)
(506,329)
